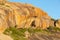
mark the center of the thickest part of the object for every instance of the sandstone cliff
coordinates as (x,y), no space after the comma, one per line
(26,22)
(22,16)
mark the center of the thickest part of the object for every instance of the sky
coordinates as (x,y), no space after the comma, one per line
(52,7)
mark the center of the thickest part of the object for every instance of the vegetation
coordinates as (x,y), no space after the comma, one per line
(19,34)
(15,34)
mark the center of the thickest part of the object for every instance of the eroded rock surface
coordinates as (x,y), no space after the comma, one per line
(22,16)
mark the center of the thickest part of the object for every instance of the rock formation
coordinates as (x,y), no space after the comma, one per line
(58,23)
(55,23)
(13,14)
(22,16)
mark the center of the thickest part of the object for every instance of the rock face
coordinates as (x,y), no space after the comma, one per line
(22,16)
(52,22)
(58,23)
(55,23)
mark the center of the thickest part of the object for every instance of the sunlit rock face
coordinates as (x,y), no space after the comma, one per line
(22,16)
(3,1)
(58,23)
(52,22)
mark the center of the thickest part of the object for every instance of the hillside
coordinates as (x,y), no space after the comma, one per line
(26,22)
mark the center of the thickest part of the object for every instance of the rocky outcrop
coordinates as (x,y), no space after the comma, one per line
(58,23)
(18,15)
(22,16)
(52,22)
(55,23)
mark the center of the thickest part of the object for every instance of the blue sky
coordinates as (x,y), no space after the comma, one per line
(52,7)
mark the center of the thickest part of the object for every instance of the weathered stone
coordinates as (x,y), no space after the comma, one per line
(5,37)
(22,16)
(52,22)
(58,23)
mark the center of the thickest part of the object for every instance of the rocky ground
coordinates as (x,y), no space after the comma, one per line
(43,36)
(5,37)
